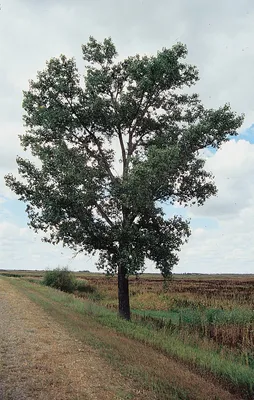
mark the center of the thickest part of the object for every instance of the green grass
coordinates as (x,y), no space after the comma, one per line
(173,316)
(206,316)
(229,370)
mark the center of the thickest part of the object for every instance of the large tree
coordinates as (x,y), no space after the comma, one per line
(112,151)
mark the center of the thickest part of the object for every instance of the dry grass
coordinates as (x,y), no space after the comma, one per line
(40,360)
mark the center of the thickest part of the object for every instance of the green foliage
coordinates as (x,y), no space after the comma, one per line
(60,278)
(139,106)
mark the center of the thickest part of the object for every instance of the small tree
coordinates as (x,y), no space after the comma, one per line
(137,106)
(60,278)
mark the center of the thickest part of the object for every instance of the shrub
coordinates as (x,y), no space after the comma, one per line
(60,278)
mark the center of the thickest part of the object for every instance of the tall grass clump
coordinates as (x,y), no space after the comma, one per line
(61,279)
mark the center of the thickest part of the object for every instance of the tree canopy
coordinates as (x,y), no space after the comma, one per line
(114,148)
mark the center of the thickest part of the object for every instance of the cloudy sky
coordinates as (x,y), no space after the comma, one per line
(219,36)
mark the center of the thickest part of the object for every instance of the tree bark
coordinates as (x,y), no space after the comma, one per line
(123,295)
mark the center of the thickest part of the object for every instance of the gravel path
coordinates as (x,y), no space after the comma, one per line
(39,359)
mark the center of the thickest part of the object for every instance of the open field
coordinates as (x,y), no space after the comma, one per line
(198,328)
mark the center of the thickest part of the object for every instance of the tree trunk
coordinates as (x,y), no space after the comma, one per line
(123,295)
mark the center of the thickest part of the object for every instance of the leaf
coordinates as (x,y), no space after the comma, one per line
(75,195)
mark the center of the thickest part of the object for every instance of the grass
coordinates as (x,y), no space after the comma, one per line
(171,316)
(208,316)
(87,330)
(218,308)
(229,370)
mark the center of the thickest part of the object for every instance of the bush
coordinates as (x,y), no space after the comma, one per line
(60,278)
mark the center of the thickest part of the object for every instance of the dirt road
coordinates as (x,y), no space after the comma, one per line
(39,359)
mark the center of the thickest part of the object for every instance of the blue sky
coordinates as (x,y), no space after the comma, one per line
(219,36)
(247,134)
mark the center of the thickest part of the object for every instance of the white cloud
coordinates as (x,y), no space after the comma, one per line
(233,168)
(24,246)
(227,248)
(219,36)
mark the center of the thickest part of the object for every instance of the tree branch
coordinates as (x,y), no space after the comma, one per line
(104,215)
(89,151)
(131,130)
(119,133)
(131,147)
(120,137)
(94,138)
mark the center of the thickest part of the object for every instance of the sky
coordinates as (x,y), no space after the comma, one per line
(219,36)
